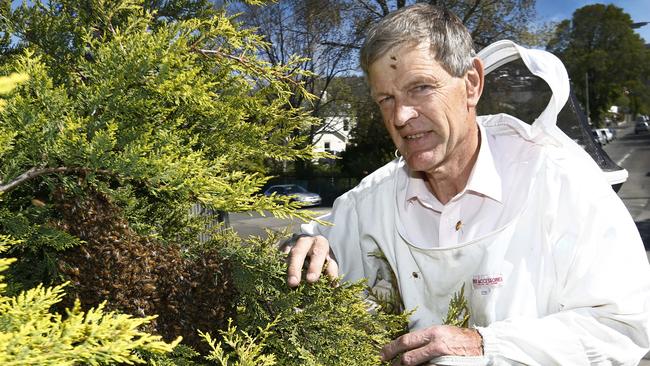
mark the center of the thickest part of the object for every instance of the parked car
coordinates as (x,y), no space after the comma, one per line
(641,126)
(599,137)
(298,193)
(612,131)
(609,136)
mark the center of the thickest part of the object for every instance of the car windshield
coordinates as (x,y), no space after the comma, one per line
(295,189)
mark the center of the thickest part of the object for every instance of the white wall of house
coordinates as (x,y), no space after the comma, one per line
(334,136)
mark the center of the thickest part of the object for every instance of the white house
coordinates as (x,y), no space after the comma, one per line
(334,135)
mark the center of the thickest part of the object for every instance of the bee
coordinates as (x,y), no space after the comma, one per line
(38,203)
(459,225)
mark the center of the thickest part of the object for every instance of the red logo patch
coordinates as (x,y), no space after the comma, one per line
(485,283)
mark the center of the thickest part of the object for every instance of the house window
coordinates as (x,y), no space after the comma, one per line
(327,146)
(346,124)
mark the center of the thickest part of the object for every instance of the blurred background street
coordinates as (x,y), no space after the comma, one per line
(632,152)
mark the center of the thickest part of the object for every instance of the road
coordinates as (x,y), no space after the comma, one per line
(630,151)
(252,223)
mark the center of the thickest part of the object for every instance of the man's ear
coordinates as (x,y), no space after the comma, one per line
(474,79)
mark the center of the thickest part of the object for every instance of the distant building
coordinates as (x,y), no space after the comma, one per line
(334,135)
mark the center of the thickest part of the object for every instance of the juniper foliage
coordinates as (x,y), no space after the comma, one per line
(157,115)
(131,117)
(314,324)
(31,335)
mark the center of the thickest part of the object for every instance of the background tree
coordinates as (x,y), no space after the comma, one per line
(313,32)
(370,145)
(329,34)
(598,46)
(487,20)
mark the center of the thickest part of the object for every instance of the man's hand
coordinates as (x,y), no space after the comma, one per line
(440,340)
(316,249)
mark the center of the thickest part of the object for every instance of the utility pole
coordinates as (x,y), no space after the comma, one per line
(587,95)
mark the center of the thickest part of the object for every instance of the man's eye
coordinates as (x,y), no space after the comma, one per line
(384,100)
(422,88)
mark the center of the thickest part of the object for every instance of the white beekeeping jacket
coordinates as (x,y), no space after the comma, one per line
(563,279)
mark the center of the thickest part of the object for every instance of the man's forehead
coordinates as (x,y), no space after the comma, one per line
(396,54)
(399,57)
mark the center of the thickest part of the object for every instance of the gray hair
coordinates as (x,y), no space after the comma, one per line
(448,39)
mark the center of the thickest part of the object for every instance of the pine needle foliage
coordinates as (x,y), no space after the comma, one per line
(31,335)
(158,115)
(240,348)
(314,324)
(153,114)
(458,314)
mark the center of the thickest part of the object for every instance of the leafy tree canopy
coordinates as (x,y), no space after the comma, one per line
(330,33)
(600,49)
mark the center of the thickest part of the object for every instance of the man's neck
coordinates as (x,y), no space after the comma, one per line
(451,177)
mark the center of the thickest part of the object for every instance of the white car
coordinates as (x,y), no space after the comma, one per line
(599,137)
(296,192)
(641,126)
(609,136)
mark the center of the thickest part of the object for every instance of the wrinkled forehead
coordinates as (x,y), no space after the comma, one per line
(396,56)
(395,47)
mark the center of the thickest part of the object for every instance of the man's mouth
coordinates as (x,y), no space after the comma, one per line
(416,136)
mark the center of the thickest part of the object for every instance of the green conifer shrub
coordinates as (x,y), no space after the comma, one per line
(315,324)
(127,121)
(31,335)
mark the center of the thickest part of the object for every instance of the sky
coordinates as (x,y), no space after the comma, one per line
(557,10)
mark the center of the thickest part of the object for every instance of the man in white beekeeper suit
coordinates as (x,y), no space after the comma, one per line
(553,266)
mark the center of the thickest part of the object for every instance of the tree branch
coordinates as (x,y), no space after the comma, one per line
(250,64)
(342,45)
(471,11)
(37,172)
(384,7)
(371,9)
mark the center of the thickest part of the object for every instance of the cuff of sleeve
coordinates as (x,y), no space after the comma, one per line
(490,341)
(308,229)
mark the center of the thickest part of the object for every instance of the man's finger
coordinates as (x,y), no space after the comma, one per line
(317,255)
(297,256)
(404,343)
(332,269)
(419,355)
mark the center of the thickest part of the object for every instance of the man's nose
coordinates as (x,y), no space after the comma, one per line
(403,114)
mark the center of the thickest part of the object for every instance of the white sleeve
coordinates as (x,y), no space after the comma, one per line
(344,238)
(604,287)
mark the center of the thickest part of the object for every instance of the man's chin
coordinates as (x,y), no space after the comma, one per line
(418,165)
(422,161)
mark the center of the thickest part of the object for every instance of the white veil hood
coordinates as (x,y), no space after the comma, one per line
(544,126)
